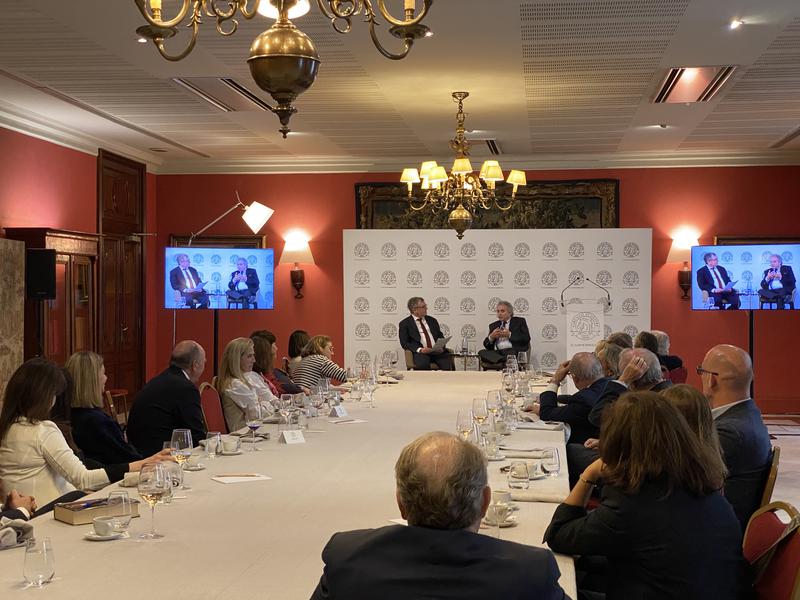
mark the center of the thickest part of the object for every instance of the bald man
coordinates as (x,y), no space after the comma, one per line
(443,494)
(170,400)
(726,373)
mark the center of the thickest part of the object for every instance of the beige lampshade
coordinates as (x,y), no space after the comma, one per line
(517,178)
(438,175)
(256,215)
(410,176)
(485,166)
(493,173)
(268,9)
(461,166)
(426,168)
(681,250)
(426,184)
(296,250)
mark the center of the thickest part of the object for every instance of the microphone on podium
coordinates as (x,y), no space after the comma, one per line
(594,283)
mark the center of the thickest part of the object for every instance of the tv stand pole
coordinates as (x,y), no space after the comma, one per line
(750,344)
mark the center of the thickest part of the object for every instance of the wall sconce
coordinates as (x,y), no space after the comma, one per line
(681,251)
(296,251)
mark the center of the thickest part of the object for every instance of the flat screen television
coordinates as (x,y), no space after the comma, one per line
(745,276)
(226,278)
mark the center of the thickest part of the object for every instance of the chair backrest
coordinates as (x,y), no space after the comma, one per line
(769,486)
(108,405)
(214,382)
(409,360)
(772,547)
(212,408)
(678,375)
(665,374)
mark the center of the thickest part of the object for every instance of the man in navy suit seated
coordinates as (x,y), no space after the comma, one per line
(185,280)
(419,333)
(442,492)
(713,279)
(243,284)
(778,283)
(726,373)
(508,335)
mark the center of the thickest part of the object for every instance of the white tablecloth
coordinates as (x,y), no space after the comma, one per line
(263,539)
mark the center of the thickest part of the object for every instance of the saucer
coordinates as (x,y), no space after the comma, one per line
(236,453)
(194,468)
(498,457)
(93,537)
(537,477)
(509,522)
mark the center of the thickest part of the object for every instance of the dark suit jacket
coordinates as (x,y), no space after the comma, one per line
(575,411)
(747,451)
(787,278)
(614,390)
(411,563)
(706,281)
(13,513)
(252,280)
(168,401)
(670,361)
(520,336)
(658,544)
(100,438)
(409,334)
(178,281)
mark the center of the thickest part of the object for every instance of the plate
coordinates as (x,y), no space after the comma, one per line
(226,453)
(93,537)
(495,458)
(509,522)
(195,468)
(537,476)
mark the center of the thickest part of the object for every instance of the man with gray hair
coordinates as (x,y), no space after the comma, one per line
(442,492)
(778,283)
(185,280)
(419,333)
(508,335)
(588,377)
(670,361)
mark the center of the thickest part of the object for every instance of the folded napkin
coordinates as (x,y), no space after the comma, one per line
(531,495)
(14,532)
(240,478)
(272,420)
(130,480)
(523,453)
(546,425)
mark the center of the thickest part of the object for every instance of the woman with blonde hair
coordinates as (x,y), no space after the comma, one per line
(239,386)
(317,363)
(608,354)
(97,435)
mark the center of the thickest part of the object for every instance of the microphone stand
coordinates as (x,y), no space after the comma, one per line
(574,282)
(597,285)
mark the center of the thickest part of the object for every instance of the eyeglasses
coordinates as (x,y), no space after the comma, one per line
(421,306)
(701,370)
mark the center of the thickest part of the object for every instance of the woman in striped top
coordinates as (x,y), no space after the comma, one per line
(316,363)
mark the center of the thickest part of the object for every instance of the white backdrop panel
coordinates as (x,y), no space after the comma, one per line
(462,280)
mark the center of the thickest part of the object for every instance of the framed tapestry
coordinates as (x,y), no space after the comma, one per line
(589,203)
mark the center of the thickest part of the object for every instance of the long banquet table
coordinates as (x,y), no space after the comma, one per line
(263,539)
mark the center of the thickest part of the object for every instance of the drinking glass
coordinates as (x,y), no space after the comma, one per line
(522,360)
(119,504)
(518,476)
(393,357)
(175,478)
(213,444)
(492,444)
(511,363)
(285,407)
(181,446)
(253,418)
(40,562)
(551,465)
(154,481)
(370,385)
(508,381)
(480,414)
(357,390)
(496,514)
(464,424)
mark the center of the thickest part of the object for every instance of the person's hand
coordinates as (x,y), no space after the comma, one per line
(594,471)
(494,333)
(425,350)
(306,390)
(592,444)
(561,372)
(716,290)
(633,370)
(17,500)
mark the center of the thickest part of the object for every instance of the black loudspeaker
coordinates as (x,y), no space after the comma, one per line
(40,274)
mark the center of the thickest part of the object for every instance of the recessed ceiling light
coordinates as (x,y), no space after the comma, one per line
(736,23)
(429,33)
(142,40)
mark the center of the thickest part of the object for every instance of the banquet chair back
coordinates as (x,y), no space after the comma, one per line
(115,404)
(679,375)
(212,408)
(410,362)
(772,547)
(769,485)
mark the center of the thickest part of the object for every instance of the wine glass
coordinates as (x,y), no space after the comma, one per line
(40,562)
(370,385)
(285,407)
(551,465)
(154,481)
(518,476)
(493,403)
(393,358)
(511,363)
(522,360)
(508,381)
(181,445)
(119,504)
(480,413)
(464,423)
(253,418)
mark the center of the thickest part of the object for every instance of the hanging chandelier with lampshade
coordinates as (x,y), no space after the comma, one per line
(283,60)
(462,192)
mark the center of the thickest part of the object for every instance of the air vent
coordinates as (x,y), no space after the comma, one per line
(692,84)
(484,146)
(187,85)
(786,139)
(224,93)
(245,93)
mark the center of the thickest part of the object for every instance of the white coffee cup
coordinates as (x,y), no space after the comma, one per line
(497,513)
(194,461)
(230,444)
(501,496)
(104,525)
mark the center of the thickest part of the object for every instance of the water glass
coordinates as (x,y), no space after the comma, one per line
(551,465)
(464,424)
(120,505)
(492,444)
(518,476)
(40,562)
(213,444)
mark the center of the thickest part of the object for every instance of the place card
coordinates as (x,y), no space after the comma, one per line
(346,421)
(292,436)
(338,411)
(240,477)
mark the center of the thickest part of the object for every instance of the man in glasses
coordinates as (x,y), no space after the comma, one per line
(726,373)
(714,279)
(507,336)
(419,334)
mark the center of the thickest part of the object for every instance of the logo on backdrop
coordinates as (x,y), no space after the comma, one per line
(216,259)
(604,278)
(467,305)
(549,250)
(746,257)
(549,305)
(521,305)
(441,250)
(389,305)
(361,304)
(445,329)
(585,326)
(215,277)
(389,331)
(747,275)
(388,356)
(495,279)
(441,278)
(576,276)
(522,279)
(388,278)
(726,257)
(605,250)
(468,250)
(414,278)
(631,330)
(576,250)
(388,250)
(549,360)
(441,305)
(198,259)
(631,250)
(549,279)
(414,250)
(468,331)
(468,279)
(630,279)
(492,304)
(496,250)
(234,259)
(606,331)
(251,260)
(363,357)
(361,250)
(362,330)
(787,257)
(549,332)
(522,250)
(361,278)
(765,257)
(630,306)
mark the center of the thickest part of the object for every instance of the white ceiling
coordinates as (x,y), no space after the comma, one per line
(558,84)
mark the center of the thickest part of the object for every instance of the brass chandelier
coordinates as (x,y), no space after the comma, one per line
(283,60)
(462,191)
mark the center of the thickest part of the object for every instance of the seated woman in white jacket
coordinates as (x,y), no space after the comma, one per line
(239,386)
(35,459)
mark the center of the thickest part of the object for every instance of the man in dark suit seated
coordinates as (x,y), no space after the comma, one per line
(442,492)
(185,280)
(17,506)
(244,283)
(712,278)
(778,283)
(670,361)
(418,333)
(587,375)
(508,335)
(170,401)
(726,373)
